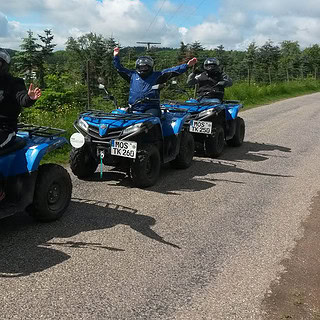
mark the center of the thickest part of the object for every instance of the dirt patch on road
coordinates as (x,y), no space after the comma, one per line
(297,294)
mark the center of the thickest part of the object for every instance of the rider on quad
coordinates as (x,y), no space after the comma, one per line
(144,78)
(211,82)
(13,97)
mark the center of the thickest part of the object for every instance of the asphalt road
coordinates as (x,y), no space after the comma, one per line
(204,243)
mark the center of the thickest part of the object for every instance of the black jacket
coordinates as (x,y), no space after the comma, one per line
(207,84)
(13,97)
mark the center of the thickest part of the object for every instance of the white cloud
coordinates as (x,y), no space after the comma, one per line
(234,26)
(166,6)
(183,31)
(11,33)
(275,8)
(213,34)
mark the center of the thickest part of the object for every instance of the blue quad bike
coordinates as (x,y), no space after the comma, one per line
(136,143)
(213,124)
(44,191)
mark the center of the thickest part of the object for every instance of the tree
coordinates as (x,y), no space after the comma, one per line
(27,59)
(48,46)
(46,51)
(250,59)
(195,50)
(268,57)
(312,55)
(92,55)
(89,47)
(182,53)
(108,71)
(290,57)
(222,55)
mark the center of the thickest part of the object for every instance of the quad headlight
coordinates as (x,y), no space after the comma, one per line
(205,113)
(83,124)
(133,128)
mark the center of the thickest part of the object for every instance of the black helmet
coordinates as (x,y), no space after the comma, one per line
(212,65)
(144,65)
(5,60)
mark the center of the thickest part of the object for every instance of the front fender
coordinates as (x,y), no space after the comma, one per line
(232,111)
(39,148)
(173,123)
(180,123)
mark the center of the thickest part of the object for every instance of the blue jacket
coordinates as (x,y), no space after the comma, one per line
(140,88)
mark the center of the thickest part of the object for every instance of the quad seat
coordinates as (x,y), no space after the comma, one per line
(18,144)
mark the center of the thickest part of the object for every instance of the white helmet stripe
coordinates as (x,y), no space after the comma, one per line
(5,56)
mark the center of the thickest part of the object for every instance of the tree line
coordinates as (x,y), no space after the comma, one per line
(71,75)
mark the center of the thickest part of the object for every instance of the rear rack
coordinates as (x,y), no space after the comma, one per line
(184,103)
(115,116)
(173,108)
(41,131)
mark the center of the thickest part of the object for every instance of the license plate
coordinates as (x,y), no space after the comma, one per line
(124,148)
(201,126)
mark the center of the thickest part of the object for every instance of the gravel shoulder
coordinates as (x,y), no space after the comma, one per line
(296,295)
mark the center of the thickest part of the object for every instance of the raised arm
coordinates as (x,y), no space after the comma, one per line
(123,72)
(26,98)
(169,73)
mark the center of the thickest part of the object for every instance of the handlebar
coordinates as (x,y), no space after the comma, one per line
(108,95)
(145,99)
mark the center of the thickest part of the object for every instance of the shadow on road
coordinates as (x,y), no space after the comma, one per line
(26,246)
(252,151)
(193,179)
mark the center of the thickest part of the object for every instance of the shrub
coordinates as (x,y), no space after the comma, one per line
(61,91)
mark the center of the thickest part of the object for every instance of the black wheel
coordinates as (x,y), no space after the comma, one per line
(214,144)
(185,156)
(82,163)
(52,193)
(145,168)
(238,137)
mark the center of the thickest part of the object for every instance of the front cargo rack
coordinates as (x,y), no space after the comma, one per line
(116,116)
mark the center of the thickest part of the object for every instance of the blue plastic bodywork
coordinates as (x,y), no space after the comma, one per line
(170,122)
(27,159)
(107,123)
(194,107)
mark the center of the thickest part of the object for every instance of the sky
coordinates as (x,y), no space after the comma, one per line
(231,23)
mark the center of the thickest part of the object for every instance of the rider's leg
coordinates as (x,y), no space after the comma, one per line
(6,139)
(211,100)
(154,111)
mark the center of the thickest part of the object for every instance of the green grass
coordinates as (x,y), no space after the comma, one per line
(255,95)
(249,96)
(63,119)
